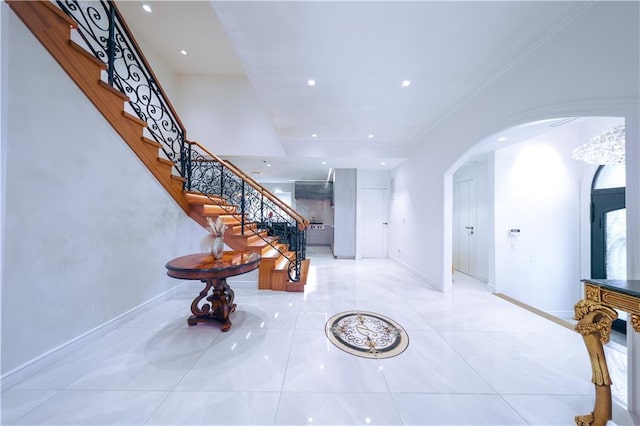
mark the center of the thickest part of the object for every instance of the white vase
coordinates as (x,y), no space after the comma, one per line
(217,248)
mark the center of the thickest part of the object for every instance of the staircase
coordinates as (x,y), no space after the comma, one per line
(202,184)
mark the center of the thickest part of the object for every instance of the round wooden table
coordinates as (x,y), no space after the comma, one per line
(214,273)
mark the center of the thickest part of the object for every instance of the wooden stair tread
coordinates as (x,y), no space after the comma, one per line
(272,254)
(134,118)
(114,91)
(283,263)
(262,243)
(165,161)
(198,198)
(149,141)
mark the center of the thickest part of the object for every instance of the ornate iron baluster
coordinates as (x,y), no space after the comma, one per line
(104,33)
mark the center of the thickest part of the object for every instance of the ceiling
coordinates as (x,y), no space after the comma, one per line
(358,53)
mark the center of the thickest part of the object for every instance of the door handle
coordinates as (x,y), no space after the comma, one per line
(469,227)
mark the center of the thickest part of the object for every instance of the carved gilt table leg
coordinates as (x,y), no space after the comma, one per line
(635,323)
(594,324)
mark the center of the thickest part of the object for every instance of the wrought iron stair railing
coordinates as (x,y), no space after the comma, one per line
(106,34)
(253,204)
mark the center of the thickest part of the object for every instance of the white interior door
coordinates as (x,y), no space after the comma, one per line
(465,209)
(374,208)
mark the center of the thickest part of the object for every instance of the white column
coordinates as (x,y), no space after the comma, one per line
(632,129)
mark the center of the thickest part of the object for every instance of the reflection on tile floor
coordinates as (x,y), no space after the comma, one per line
(473,359)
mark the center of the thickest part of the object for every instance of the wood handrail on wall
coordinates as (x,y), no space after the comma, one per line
(301,220)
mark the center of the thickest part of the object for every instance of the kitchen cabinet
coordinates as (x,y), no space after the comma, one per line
(319,234)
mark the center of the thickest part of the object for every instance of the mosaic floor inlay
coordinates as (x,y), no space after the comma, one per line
(366,334)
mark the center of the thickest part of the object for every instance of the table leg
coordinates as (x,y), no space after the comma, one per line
(220,306)
(594,324)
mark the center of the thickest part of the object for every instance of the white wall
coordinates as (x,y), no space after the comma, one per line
(538,191)
(88,229)
(223,114)
(575,72)
(4,48)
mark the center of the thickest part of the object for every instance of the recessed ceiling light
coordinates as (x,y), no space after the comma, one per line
(184,52)
(268,165)
(382,163)
(314,135)
(324,162)
(406,83)
(370,136)
(502,138)
(311,82)
(146,8)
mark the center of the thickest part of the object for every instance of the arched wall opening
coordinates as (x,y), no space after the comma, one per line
(528,213)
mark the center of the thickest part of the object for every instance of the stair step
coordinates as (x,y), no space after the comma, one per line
(272,253)
(166,164)
(198,198)
(229,220)
(214,210)
(261,246)
(237,229)
(150,142)
(134,119)
(113,90)
(88,55)
(283,263)
(260,236)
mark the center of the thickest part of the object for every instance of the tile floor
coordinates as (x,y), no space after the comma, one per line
(473,359)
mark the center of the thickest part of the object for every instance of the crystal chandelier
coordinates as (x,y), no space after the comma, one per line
(607,148)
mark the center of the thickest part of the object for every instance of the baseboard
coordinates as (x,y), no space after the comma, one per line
(483,278)
(250,284)
(550,316)
(419,274)
(563,315)
(32,367)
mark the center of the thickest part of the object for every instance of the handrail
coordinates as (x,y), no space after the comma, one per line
(301,220)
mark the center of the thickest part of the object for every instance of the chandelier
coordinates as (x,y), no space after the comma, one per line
(607,148)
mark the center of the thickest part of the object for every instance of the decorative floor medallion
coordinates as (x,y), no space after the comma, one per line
(366,334)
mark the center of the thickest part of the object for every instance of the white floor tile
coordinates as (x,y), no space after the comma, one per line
(430,365)
(94,408)
(473,359)
(242,360)
(316,365)
(17,402)
(304,408)
(157,363)
(548,410)
(217,408)
(524,363)
(64,372)
(455,410)
(312,320)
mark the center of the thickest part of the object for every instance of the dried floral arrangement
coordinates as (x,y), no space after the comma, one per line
(216,230)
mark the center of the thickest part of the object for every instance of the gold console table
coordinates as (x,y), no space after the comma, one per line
(595,313)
